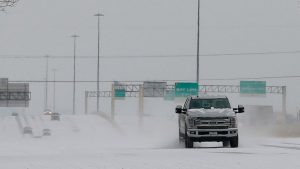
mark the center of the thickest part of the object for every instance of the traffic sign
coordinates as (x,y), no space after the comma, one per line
(154,89)
(14,94)
(253,87)
(119,90)
(184,89)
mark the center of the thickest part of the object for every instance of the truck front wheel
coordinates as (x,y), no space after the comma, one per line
(234,142)
(188,141)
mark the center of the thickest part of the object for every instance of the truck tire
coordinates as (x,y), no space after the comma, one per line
(188,141)
(226,143)
(234,142)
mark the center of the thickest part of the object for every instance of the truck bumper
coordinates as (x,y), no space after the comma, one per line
(212,134)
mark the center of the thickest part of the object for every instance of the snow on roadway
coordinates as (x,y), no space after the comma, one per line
(9,128)
(91,142)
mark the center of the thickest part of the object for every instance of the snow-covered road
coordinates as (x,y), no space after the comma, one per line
(91,142)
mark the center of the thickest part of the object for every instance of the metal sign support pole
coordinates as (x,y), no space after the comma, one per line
(198,42)
(113,102)
(141,105)
(283,118)
(86,102)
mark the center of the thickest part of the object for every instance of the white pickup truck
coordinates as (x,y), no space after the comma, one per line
(208,118)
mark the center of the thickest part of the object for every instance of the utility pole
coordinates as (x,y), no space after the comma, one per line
(74,79)
(98,62)
(54,90)
(198,42)
(46,85)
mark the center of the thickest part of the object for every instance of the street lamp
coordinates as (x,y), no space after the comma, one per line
(54,89)
(98,63)
(198,41)
(74,80)
(46,83)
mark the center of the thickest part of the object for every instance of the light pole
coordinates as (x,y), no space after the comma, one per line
(98,62)
(54,90)
(74,79)
(198,41)
(46,84)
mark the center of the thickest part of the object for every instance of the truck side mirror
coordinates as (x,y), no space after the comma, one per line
(178,109)
(240,109)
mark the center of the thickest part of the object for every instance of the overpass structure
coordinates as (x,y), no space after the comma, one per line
(137,90)
(132,90)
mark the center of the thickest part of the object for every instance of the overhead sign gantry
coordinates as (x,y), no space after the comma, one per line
(14,94)
(252,88)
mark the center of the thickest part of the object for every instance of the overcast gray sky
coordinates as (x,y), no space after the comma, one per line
(152,28)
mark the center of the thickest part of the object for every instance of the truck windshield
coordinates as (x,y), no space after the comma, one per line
(221,103)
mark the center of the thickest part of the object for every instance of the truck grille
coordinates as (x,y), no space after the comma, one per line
(212,123)
(212,127)
(218,132)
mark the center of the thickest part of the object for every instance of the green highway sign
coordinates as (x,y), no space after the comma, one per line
(169,95)
(120,93)
(253,87)
(119,90)
(184,89)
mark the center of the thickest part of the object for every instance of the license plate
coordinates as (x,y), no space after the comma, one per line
(213,133)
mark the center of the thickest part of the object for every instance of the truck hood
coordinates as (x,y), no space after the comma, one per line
(211,113)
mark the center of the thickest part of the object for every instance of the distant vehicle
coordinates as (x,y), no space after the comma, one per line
(208,118)
(47,112)
(27,130)
(55,116)
(14,114)
(46,132)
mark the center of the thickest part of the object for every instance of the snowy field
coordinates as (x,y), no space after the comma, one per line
(92,142)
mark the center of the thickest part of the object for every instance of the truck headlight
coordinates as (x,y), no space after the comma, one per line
(191,122)
(233,123)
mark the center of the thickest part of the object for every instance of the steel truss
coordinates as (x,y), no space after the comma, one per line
(235,89)
(15,96)
(132,90)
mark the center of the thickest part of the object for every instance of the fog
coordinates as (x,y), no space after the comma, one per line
(150,31)
(142,40)
(135,38)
